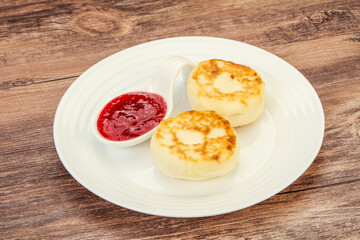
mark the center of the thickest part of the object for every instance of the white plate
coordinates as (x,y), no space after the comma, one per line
(275,150)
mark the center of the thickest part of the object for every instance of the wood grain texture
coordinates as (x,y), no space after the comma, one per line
(46,45)
(47,30)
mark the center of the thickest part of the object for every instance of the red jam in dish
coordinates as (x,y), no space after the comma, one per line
(131,115)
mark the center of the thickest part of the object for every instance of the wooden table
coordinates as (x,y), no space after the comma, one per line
(45,45)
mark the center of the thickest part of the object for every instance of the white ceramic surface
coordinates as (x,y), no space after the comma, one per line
(163,84)
(275,150)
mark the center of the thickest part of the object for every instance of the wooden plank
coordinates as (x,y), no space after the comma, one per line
(301,55)
(27,115)
(52,40)
(72,212)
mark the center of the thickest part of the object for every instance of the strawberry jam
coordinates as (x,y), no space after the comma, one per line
(131,115)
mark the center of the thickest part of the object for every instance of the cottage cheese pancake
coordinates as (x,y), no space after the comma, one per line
(195,145)
(234,91)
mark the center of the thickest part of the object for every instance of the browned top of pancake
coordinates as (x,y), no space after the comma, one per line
(214,147)
(206,72)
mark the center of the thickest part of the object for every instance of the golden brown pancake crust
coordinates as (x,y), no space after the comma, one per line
(206,72)
(218,148)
